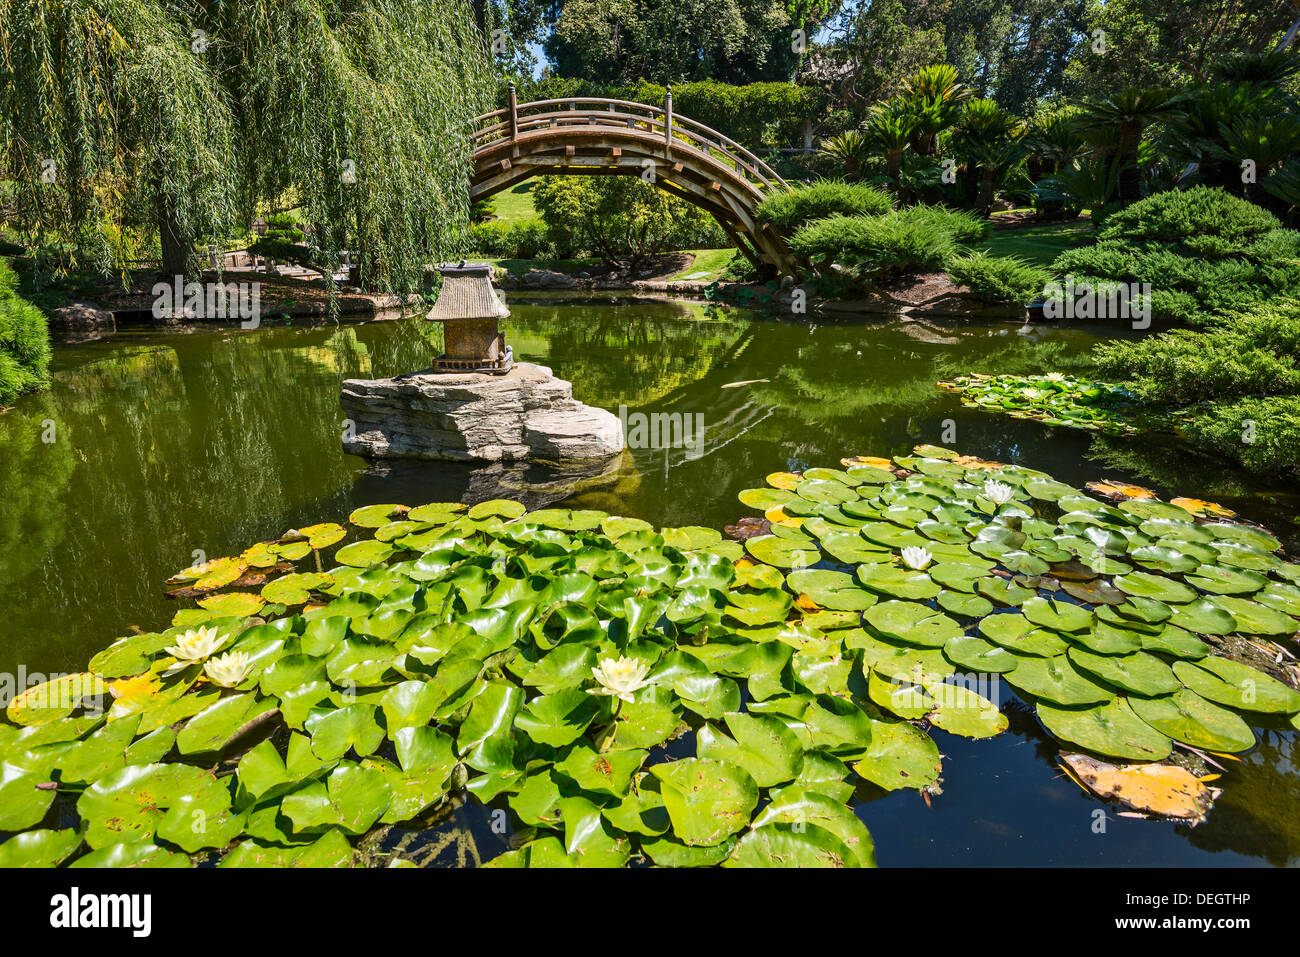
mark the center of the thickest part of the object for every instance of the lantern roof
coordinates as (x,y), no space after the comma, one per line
(467,293)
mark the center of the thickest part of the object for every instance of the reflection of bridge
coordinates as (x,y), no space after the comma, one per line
(594,136)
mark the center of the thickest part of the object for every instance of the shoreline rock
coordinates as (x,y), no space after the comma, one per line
(525,414)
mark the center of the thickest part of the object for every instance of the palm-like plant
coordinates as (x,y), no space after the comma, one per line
(890,129)
(1055,140)
(1284,186)
(1272,68)
(988,139)
(1130,111)
(1196,129)
(1089,184)
(935,97)
(1268,140)
(849,149)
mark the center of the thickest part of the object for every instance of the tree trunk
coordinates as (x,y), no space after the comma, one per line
(893,162)
(988,181)
(175,247)
(1130,175)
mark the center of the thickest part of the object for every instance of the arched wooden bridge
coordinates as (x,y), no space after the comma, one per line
(595,136)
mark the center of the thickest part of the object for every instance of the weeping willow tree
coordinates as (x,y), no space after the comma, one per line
(183,118)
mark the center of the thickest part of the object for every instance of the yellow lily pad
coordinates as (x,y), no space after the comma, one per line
(1161,789)
(1203,508)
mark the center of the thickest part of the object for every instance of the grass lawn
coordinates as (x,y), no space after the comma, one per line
(516,203)
(708,261)
(517,267)
(1038,244)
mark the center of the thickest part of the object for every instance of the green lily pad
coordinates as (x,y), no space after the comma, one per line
(1018,634)
(1204,617)
(963,711)
(707,800)
(183,804)
(833,590)
(1187,717)
(760,744)
(1253,618)
(791,845)
(1058,681)
(1139,672)
(1226,581)
(1056,615)
(899,756)
(980,656)
(1110,729)
(39,848)
(1239,686)
(1155,586)
(364,554)
(895,582)
(784,552)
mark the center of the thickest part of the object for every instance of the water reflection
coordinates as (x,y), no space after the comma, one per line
(152,446)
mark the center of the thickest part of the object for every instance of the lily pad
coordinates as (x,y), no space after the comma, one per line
(1111,729)
(707,800)
(1187,717)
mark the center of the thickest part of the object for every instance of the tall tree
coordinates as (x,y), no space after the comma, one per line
(1014,51)
(1158,43)
(872,46)
(622,41)
(188,115)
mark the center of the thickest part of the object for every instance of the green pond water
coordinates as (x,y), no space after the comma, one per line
(154,450)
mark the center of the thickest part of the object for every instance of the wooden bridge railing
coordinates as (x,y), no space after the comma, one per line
(676,131)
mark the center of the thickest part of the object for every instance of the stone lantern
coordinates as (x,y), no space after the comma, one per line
(469,309)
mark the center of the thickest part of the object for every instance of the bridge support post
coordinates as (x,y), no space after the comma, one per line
(514,114)
(668,120)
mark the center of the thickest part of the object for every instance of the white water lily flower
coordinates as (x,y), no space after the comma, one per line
(229,669)
(196,645)
(916,557)
(620,678)
(1055,377)
(999,493)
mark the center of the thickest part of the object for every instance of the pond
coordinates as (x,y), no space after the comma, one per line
(155,450)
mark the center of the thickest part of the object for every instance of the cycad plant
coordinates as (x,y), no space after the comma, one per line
(1196,129)
(1084,184)
(1129,112)
(935,98)
(1054,141)
(1266,141)
(1283,185)
(890,129)
(1272,68)
(849,149)
(987,139)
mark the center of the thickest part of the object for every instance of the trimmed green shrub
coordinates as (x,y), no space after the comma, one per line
(999,278)
(1204,252)
(877,247)
(1261,433)
(497,239)
(804,204)
(24,341)
(1233,390)
(965,227)
(620,219)
(1180,216)
(739,269)
(1247,355)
